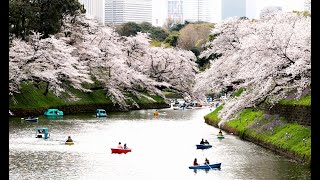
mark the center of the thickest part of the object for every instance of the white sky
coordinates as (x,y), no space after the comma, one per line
(253,7)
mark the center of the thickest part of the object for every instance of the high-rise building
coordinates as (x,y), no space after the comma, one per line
(175,8)
(122,11)
(119,11)
(94,8)
(197,10)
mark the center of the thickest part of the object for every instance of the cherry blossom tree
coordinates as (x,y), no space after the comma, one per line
(47,60)
(269,57)
(85,51)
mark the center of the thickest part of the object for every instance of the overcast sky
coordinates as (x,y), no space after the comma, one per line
(253,6)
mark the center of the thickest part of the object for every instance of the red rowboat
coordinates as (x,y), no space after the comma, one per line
(119,151)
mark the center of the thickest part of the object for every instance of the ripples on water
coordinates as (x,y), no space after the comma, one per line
(162,148)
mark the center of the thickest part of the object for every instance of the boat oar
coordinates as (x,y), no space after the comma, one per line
(209,166)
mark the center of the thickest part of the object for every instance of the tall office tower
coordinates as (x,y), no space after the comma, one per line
(95,8)
(197,10)
(122,11)
(175,8)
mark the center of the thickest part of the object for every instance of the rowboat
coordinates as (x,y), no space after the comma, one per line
(220,137)
(53,113)
(31,119)
(69,143)
(42,133)
(101,113)
(203,146)
(210,166)
(119,151)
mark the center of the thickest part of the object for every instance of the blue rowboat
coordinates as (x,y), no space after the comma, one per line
(203,146)
(220,137)
(210,166)
(42,133)
(31,119)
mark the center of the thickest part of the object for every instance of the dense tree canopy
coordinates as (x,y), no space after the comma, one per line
(194,35)
(132,28)
(269,58)
(43,16)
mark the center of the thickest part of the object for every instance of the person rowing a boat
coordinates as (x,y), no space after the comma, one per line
(69,139)
(195,163)
(120,146)
(206,142)
(202,142)
(125,146)
(220,133)
(206,161)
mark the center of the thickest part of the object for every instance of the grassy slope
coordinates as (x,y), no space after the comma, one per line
(32,97)
(305,101)
(286,136)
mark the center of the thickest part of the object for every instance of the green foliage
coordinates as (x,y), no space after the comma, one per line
(245,118)
(178,27)
(155,43)
(290,137)
(128,29)
(303,13)
(33,96)
(238,92)
(132,28)
(157,33)
(304,101)
(196,51)
(214,114)
(44,16)
(172,39)
(204,63)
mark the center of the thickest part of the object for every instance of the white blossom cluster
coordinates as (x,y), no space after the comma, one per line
(269,57)
(85,52)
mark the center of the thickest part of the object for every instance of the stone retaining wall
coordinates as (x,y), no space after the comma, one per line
(292,113)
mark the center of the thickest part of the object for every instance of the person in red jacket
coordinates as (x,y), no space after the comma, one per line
(195,163)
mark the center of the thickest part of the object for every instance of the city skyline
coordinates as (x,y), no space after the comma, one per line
(222,9)
(157,12)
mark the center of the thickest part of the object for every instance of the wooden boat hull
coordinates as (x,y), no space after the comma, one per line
(210,166)
(203,146)
(120,151)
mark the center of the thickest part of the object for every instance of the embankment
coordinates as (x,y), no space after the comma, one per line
(34,100)
(278,132)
